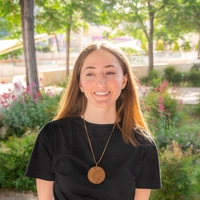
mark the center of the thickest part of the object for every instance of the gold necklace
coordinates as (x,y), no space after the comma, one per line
(96,174)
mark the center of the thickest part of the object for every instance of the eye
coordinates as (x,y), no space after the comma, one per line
(90,74)
(110,73)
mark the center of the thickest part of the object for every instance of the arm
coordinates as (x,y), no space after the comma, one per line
(44,189)
(142,194)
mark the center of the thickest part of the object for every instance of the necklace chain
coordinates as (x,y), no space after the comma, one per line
(91,143)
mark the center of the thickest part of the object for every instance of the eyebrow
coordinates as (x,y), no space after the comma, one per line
(91,67)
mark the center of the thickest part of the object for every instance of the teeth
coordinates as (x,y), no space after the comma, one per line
(101,93)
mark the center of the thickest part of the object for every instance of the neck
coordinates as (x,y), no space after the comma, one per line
(100,116)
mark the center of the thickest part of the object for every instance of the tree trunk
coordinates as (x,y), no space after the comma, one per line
(22,25)
(67,51)
(57,43)
(150,41)
(27,7)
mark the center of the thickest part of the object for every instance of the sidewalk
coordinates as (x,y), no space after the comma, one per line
(16,195)
(188,95)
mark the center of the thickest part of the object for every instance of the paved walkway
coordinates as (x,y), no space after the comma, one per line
(15,195)
(189,95)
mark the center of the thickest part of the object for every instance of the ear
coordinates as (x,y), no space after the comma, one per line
(125,79)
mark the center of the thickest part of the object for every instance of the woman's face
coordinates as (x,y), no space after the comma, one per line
(102,79)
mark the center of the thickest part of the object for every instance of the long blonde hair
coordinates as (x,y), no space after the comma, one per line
(73,102)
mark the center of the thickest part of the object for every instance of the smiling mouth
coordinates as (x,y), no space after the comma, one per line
(101,93)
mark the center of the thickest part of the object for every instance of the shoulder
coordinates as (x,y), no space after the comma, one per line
(143,138)
(66,121)
(55,127)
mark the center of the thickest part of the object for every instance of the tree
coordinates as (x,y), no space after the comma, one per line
(136,18)
(13,12)
(27,22)
(59,16)
(178,18)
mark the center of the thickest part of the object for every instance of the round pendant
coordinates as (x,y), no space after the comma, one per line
(96,175)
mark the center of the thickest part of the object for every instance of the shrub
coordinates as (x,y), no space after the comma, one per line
(153,79)
(176,47)
(180,175)
(14,157)
(168,73)
(129,50)
(173,76)
(195,66)
(12,55)
(194,77)
(161,104)
(28,113)
(160,46)
(197,46)
(186,46)
(144,47)
(177,78)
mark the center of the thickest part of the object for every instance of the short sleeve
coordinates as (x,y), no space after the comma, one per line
(40,164)
(149,176)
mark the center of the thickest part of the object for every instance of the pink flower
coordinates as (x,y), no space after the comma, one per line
(181,102)
(160,99)
(161,107)
(17,86)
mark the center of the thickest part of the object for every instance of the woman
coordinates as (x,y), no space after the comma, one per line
(98,146)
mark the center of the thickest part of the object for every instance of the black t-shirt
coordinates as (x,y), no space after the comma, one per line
(62,154)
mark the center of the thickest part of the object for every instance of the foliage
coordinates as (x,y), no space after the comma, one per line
(176,47)
(180,174)
(12,55)
(128,50)
(162,106)
(169,120)
(153,79)
(14,157)
(186,46)
(144,47)
(194,77)
(160,46)
(23,112)
(196,66)
(173,76)
(43,48)
(10,18)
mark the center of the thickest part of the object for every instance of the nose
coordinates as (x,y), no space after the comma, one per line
(101,79)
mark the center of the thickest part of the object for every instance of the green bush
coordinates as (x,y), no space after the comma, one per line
(128,50)
(27,113)
(144,47)
(197,46)
(14,156)
(186,46)
(195,66)
(177,78)
(173,76)
(169,72)
(153,79)
(160,46)
(194,78)
(162,105)
(12,55)
(176,47)
(180,175)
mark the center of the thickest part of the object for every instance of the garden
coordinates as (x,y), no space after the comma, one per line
(174,125)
